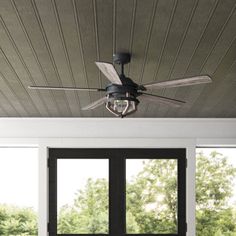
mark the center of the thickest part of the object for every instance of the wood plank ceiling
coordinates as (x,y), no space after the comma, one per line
(55,42)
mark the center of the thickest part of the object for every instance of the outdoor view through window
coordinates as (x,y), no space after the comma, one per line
(216,192)
(151,194)
(19,191)
(83,196)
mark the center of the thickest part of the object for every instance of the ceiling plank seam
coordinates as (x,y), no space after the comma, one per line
(179,48)
(66,54)
(49,52)
(25,67)
(34,54)
(131,36)
(78,31)
(97,46)
(21,85)
(163,47)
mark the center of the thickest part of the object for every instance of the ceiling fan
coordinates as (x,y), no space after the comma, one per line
(122,92)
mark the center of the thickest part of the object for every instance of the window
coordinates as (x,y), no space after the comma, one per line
(216,191)
(151,196)
(19,191)
(117,192)
(82,195)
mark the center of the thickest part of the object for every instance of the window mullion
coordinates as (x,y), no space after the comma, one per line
(182,226)
(117,215)
(52,226)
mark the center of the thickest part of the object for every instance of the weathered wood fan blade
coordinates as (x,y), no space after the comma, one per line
(109,71)
(159,99)
(95,104)
(179,82)
(66,88)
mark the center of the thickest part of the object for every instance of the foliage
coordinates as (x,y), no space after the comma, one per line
(216,223)
(17,221)
(152,197)
(213,181)
(89,213)
(151,200)
(151,203)
(214,187)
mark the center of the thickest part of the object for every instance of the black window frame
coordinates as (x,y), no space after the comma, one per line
(117,183)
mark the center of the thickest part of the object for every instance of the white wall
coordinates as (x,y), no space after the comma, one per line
(116,132)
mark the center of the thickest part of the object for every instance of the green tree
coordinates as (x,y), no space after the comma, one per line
(214,187)
(89,213)
(17,221)
(152,197)
(151,203)
(151,200)
(156,186)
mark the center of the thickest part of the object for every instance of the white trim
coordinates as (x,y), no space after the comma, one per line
(214,142)
(117,128)
(43,191)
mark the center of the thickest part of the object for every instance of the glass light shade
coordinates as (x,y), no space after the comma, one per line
(121,107)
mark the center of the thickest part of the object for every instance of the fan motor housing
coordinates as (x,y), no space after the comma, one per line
(121,91)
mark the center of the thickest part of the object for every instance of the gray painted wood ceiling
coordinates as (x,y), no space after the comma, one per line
(55,43)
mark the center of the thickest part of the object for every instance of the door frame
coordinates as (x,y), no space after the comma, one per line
(117,157)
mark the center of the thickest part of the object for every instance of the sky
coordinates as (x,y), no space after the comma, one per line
(19,175)
(72,175)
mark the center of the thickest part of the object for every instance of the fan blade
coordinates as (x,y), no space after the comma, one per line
(179,82)
(95,104)
(159,99)
(109,71)
(66,88)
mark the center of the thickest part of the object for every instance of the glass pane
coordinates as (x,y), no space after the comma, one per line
(18,191)
(82,196)
(216,191)
(151,196)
